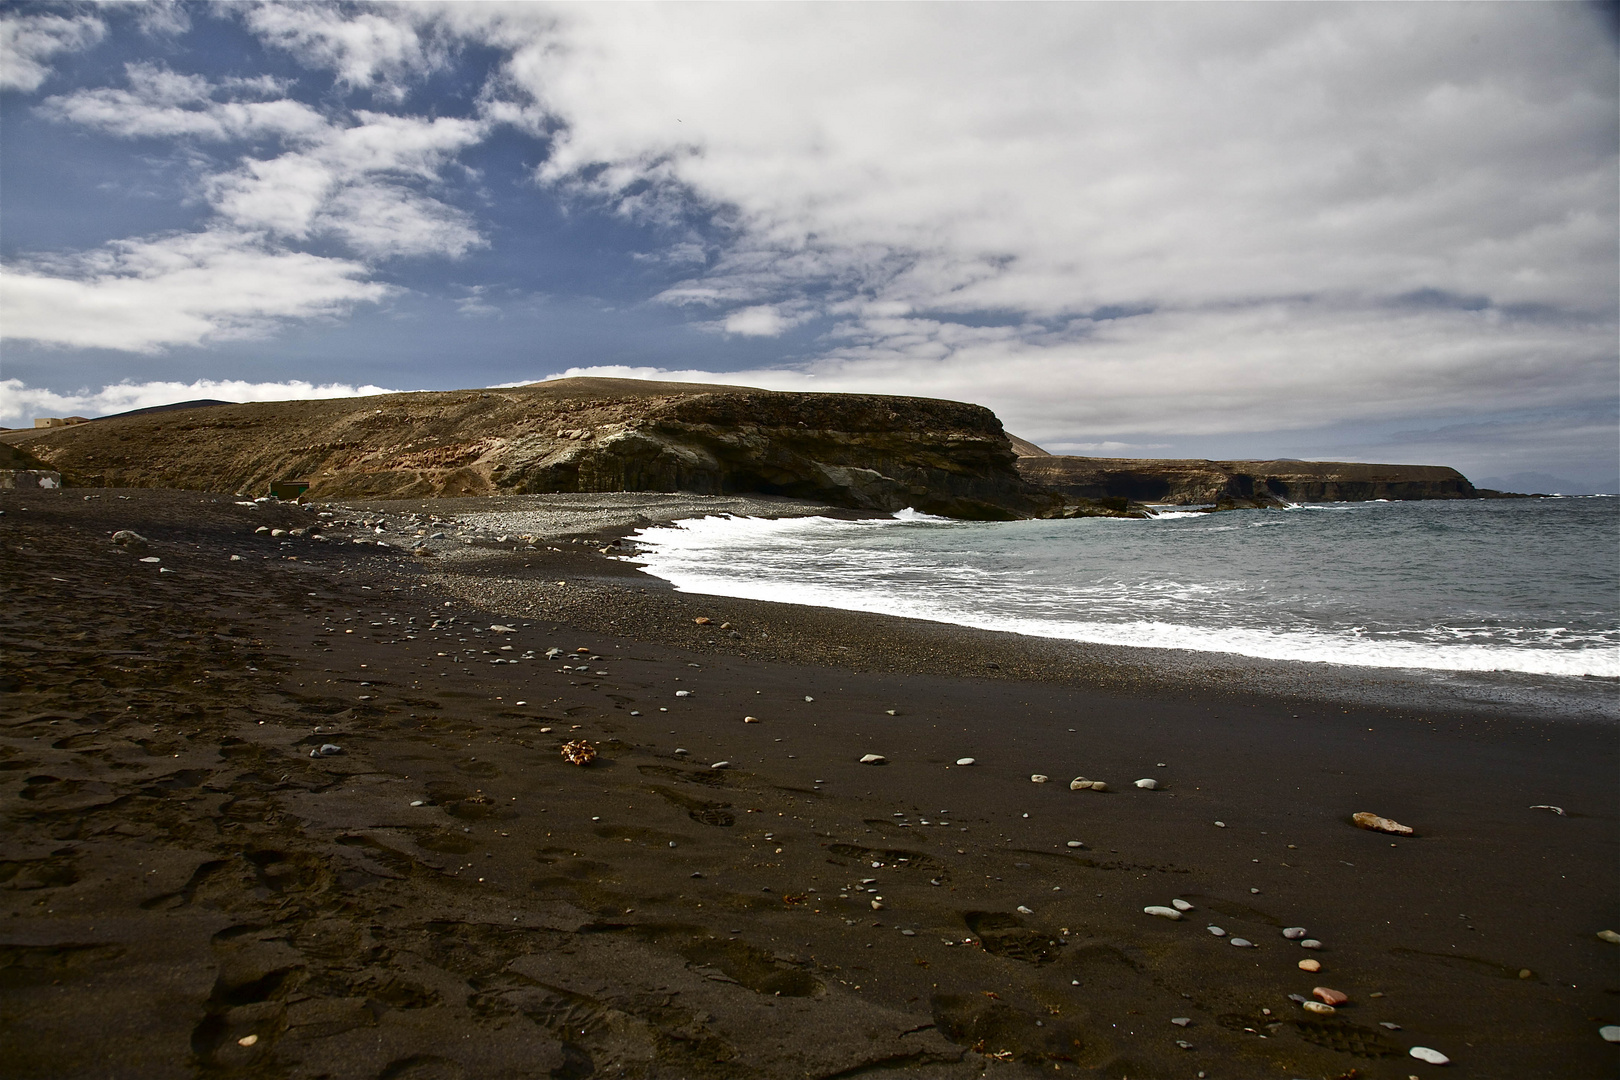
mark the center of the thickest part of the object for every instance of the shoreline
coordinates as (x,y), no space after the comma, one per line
(181,874)
(498,580)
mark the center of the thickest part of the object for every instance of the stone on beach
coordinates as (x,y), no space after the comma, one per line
(1038,778)
(1310,943)
(326,750)
(578,752)
(129,538)
(1431,1057)
(1076,844)
(1148,784)
(1162,912)
(1609,936)
(721,765)
(750,719)
(1180,904)
(874,759)
(1310,965)
(1609,1033)
(1242,943)
(1294,933)
(683,693)
(1367,820)
(966,761)
(1022,910)
(1319,1008)
(1328,996)
(1216,930)
(1181,1021)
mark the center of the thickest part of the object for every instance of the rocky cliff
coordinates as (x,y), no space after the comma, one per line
(858,451)
(1195,481)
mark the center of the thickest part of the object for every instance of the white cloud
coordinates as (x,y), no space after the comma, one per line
(184,289)
(160,103)
(761,321)
(19,404)
(1206,218)
(28,41)
(382,47)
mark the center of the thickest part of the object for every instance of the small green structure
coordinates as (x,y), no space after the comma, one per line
(288,489)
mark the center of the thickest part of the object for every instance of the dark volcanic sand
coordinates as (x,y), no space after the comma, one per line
(180,875)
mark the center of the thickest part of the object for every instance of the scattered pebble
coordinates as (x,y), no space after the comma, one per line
(908,933)
(1243,943)
(1380,824)
(1432,1057)
(1148,784)
(1181,1021)
(1180,904)
(1609,936)
(1220,824)
(1294,933)
(1022,910)
(721,765)
(1076,844)
(750,719)
(1310,943)
(1038,778)
(966,761)
(877,905)
(1559,810)
(1310,965)
(1610,1033)
(1329,996)
(702,620)
(1162,912)
(1217,931)
(418,802)
(1185,1045)
(874,759)
(1389,1024)
(683,693)
(807,697)
(1318,1007)
(247,1040)
(326,750)
(151,559)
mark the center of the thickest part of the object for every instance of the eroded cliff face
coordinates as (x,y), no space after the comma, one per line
(1197,482)
(858,451)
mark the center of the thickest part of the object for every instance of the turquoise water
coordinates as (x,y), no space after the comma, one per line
(1525,585)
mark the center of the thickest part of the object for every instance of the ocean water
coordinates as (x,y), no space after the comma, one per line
(1528,586)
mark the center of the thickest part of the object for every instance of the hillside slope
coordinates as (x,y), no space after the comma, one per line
(1196,481)
(852,450)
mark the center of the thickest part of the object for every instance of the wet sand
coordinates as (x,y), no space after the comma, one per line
(185,891)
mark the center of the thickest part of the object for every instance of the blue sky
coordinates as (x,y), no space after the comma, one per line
(1368,231)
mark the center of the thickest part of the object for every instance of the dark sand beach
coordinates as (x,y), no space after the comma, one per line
(186,891)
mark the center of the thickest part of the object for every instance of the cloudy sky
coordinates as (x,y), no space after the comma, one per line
(1371,231)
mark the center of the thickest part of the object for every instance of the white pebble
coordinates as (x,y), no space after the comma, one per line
(683,693)
(1038,778)
(1076,843)
(1220,824)
(1180,904)
(1022,910)
(966,761)
(1610,1032)
(1294,933)
(1243,943)
(1432,1057)
(1148,784)
(1217,931)
(874,759)
(721,765)
(807,697)
(1310,943)
(418,802)
(1162,912)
